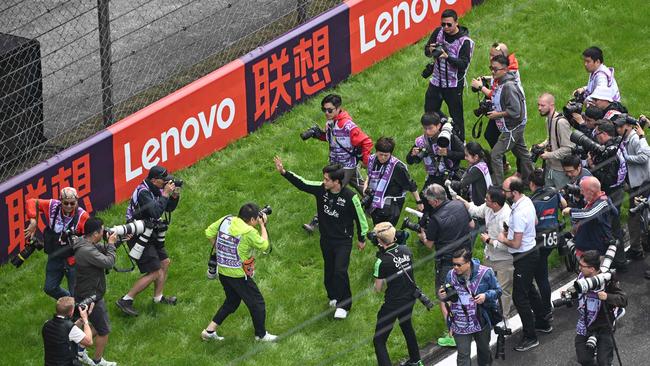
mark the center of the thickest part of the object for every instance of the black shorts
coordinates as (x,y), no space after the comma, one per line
(151,257)
(99,318)
(442,268)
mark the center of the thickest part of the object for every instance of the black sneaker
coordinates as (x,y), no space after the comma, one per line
(127,307)
(526,344)
(634,255)
(544,329)
(171,300)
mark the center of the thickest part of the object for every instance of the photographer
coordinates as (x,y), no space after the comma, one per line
(477,176)
(519,236)
(63,218)
(155,196)
(451,48)
(387,184)
(93,259)
(348,145)
(338,208)
(637,158)
(586,123)
(572,166)
(446,228)
(595,314)
(557,144)
(510,116)
(394,267)
(439,162)
(591,225)
(600,76)
(61,335)
(235,239)
(495,211)
(477,289)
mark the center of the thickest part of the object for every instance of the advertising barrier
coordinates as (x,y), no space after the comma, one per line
(221,107)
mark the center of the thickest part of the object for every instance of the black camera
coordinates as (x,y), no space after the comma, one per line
(368,196)
(585,142)
(574,105)
(85,303)
(485,81)
(428,70)
(484,106)
(212,266)
(501,332)
(535,152)
(372,236)
(411,225)
(566,299)
(640,206)
(450,293)
(505,227)
(571,192)
(424,299)
(313,131)
(29,249)
(266,210)
(177,182)
(438,49)
(571,189)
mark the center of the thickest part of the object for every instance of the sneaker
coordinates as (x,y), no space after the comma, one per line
(127,307)
(103,362)
(268,337)
(208,336)
(619,313)
(634,255)
(311,227)
(446,341)
(171,300)
(526,344)
(409,363)
(548,329)
(332,303)
(84,358)
(340,313)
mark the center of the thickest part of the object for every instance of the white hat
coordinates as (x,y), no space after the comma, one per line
(603,94)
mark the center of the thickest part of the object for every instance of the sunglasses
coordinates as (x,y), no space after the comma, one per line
(328,110)
(458,265)
(64,203)
(446,25)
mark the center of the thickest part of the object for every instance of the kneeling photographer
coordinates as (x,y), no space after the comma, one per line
(93,259)
(61,335)
(156,196)
(394,267)
(471,292)
(598,294)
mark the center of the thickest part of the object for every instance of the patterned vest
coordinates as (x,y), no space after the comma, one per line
(588,308)
(482,166)
(465,315)
(60,222)
(226,245)
(434,167)
(341,149)
(379,177)
(445,75)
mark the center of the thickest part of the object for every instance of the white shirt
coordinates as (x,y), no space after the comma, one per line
(495,251)
(522,220)
(76,335)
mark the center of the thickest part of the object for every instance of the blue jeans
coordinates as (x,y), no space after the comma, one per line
(55,269)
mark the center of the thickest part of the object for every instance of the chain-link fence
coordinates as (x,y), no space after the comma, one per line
(68,68)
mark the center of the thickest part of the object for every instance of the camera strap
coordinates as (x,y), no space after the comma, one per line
(402,269)
(126,269)
(330,135)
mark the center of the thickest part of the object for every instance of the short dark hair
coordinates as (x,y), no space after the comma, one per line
(474,148)
(594,112)
(449,13)
(591,258)
(517,185)
(463,253)
(537,177)
(497,195)
(93,225)
(594,53)
(249,211)
(385,145)
(430,118)
(572,161)
(501,59)
(335,99)
(606,127)
(335,172)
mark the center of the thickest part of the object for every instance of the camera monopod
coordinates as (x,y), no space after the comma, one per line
(611,328)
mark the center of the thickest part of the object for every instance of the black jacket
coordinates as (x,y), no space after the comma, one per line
(59,350)
(448,228)
(152,204)
(464,54)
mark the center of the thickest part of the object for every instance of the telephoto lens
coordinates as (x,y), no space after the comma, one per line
(87,301)
(591,283)
(592,342)
(411,225)
(267,210)
(212,267)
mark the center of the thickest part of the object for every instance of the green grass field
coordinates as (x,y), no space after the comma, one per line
(548,37)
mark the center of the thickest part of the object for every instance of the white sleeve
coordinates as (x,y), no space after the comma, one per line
(76,335)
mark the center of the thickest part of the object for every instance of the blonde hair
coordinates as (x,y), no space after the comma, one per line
(69,193)
(64,305)
(385,232)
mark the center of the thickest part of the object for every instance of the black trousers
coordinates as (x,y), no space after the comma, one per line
(238,289)
(336,258)
(524,295)
(386,317)
(604,349)
(543,284)
(617,195)
(454,99)
(390,213)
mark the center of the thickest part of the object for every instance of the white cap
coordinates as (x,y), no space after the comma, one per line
(603,94)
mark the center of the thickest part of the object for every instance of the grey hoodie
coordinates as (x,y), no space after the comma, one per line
(513,101)
(91,262)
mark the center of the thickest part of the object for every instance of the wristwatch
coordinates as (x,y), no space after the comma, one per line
(419,202)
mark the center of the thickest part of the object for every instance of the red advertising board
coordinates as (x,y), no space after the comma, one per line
(380,28)
(181,128)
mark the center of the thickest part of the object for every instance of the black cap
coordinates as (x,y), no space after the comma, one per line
(158,172)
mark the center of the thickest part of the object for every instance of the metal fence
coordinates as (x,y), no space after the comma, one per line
(99,61)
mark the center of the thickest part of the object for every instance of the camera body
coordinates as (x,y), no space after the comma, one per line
(451,295)
(535,152)
(411,225)
(424,299)
(571,192)
(484,106)
(312,132)
(24,254)
(212,266)
(368,196)
(266,210)
(438,49)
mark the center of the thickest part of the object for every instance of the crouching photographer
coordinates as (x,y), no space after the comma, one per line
(93,259)
(156,196)
(598,295)
(61,335)
(470,293)
(394,267)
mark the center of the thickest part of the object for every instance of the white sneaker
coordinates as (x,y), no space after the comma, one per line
(208,336)
(268,337)
(103,362)
(332,303)
(340,313)
(84,358)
